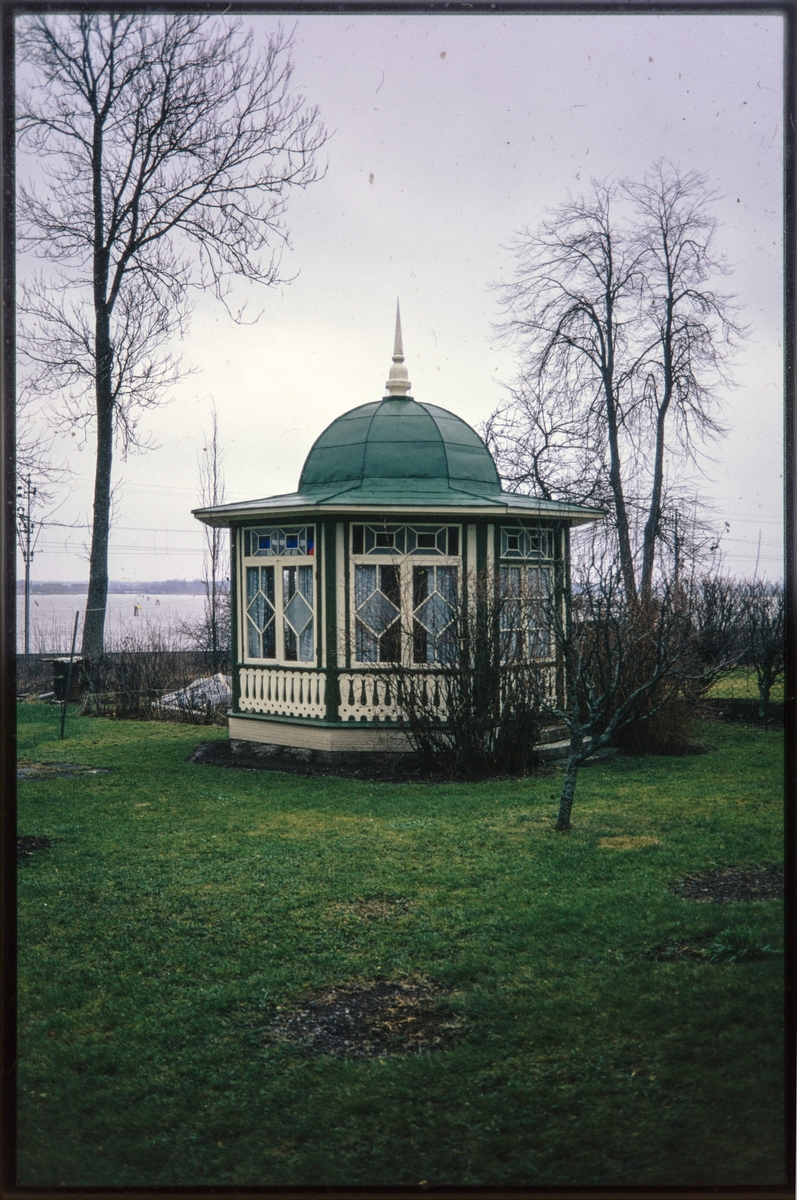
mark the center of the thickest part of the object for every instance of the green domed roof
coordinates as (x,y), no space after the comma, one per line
(398,447)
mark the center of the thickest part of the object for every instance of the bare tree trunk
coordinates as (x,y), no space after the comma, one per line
(211,486)
(568,793)
(652,524)
(620,510)
(765,681)
(96,602)
(151,132)
(615,470)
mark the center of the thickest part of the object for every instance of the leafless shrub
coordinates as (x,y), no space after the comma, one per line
(627,664)
(129,681)
(473,710)
(763,618)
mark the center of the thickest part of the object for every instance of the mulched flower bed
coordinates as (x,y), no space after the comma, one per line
(732,885)
(384,768)
(26,845)
(370,1020)
(389,768)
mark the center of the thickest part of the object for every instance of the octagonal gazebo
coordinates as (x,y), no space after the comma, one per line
(399,504)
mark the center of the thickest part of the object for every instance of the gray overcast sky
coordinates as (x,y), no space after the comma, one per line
(449,134)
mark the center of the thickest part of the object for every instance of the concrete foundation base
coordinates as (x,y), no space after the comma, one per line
(250,753)
(324,739)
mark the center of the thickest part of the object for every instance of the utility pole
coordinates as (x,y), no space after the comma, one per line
(677,552)
(25,495)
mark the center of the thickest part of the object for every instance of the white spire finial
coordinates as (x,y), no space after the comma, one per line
(398,383)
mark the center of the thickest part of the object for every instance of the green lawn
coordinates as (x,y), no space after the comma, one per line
(742,684)
(179,905)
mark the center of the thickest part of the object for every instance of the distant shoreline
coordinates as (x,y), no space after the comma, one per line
(162,587)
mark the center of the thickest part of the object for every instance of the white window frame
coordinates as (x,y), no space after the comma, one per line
(277,562)
(403,561)
(525,566)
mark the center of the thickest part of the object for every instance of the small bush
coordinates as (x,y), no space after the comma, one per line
(735,944)
(663,724)
(129,681)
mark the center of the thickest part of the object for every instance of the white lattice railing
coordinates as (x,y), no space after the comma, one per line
(362,695)
(283,693)
(370,697)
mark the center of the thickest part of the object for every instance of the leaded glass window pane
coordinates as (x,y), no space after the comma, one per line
(526,597)
(295,540)
(383,539)
(364,584)
(377,603)
(297,613)
(434,596)
(260,615)
(520,542)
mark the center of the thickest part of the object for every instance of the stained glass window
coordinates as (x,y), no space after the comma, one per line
(272,543)
(377,607)
(279,605)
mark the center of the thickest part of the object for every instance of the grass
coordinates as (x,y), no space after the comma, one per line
(180,905)
(742,684)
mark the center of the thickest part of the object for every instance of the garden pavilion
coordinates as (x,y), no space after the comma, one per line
(399,505)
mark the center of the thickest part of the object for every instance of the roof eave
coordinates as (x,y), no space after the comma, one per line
(297,505)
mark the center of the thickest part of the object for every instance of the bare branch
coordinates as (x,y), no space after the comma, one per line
(168,148)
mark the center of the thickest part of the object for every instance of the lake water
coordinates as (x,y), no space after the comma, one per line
(144,617)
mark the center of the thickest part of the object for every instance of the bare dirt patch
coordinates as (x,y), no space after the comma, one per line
(627,843)
(732,885)
(369,1020)
(55,770)
(28,845)
(372,908)
(674,951)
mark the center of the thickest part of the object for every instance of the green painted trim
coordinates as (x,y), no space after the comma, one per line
(347,592)
(234,657)
(481,546)
(330,618)
(568,612)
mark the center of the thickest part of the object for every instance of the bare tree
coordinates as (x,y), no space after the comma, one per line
(547,445)
(690,329)
(168,147)
(572,309)
(763,622)
(623,662)
(215,631)
(624,347)
(718,616)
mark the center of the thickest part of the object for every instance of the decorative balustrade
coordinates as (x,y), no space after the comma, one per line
(366,696)
(362,695)
(541,677)
(283,693)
